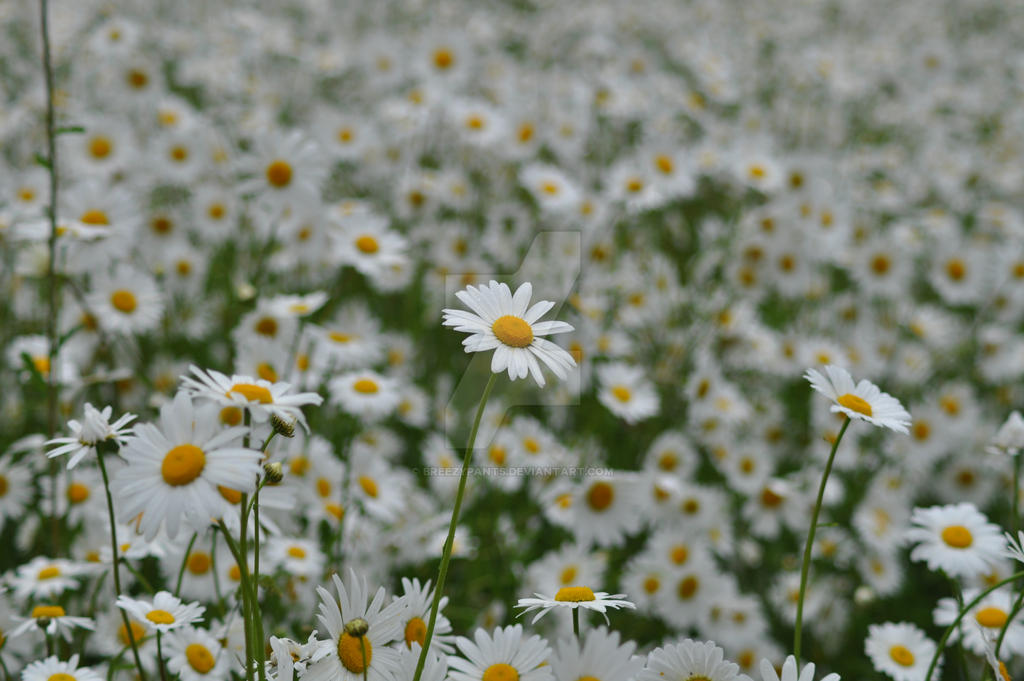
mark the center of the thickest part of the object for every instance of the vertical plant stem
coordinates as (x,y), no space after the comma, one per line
(576,622)
(1015,499)
(362,649)
(184,562)
(117,573)
(805,568)
(160,656)
(446,554)
(51,270)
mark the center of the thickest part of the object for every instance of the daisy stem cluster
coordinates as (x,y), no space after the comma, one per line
(805,567)
(129,632)
(960,615)
(446,554)
(51,267)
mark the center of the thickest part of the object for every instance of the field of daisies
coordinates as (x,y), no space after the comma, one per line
(511,340)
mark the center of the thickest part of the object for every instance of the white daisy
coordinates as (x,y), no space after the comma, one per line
(165,612)
(957,539)
(789,672)
(900,651)
(689,660)
(574,597)
(365,393)
(600,657)
(863,401)
(626,392)
(507,324)
(174,469)
(418,600)
(197,655)
(126,301)
(503,656)
(261,397)
(57,622)
(95,427)
(54,668)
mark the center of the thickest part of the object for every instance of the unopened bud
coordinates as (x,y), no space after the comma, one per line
(274,472)
(357,627)
(282,426)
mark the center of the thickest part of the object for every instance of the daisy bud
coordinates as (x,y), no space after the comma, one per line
(274,472)
(357,627)
(282,426)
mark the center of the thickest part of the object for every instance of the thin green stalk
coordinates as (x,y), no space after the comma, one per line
(243,571)
(963,611)
(184,562)
(958,594)
(49,643)
(446,554)
(362,649)
(116,570)
(112,666)
(3,665)
(141,577)
(1015,499)
(1006,625)
(805,568)
(160,657)
(576,622)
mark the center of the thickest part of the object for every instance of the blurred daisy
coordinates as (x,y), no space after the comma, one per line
(689,660)
(863,401)
(365,393)
(957,539)
(175,469)
(54,668)
(507,324)
(126,301)
(991,615)
(261,397)
(789,672)
(505,655)
(599,656)
(573,597)
(626,392)
(165,612)
(197,655)
(57,622)
(289,169)
(1010,437)
(94,427)
(900,651)
(288,657)
(44,577)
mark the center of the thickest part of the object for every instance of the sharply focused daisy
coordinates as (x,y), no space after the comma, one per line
(94,428)
(506,323)
(164,613)
(574,597)
(900,651)
(261,397)
(174,469)
(503,656)
(862,401)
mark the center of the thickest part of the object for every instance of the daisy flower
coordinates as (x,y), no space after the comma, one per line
(126,301)
(434,669)
(58,622)
(197,655)
(289,169)
(574,597)
(991,615)
(863,401)
(288,657)
(626,392)
(174,469)
(600,657)
(53,668)
(365,393)
(506,323)
(1010,437)
(789,672)
(165,612)
(44,577)
(95,427)
(261,397)
(690,659)
(957,539)
(502,656)
(344,661)
(900,651)
(417,599)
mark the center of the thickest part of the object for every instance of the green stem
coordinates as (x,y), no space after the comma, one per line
(576,622)
(805,568)
(958,594)
(963,611)
(160,656)
(446,554)
(243,571)
(139,576)
(362,649)
(184,562)
(1015,499)
(116,570)
(1006,625)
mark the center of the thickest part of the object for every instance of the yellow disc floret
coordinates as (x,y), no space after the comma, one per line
(351,653)
(500,672)
(854,403)
(182,465)
(575,594)
(513,331)
(957,536)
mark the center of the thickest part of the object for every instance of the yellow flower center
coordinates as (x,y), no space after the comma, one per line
(49,572)
(3,484)
(367,244)
(61,676)
(267,326)
(199,657)
(575,594)
(323,487)
(622,393)
(124,301)
(351,654)
(77,493)
(415,630)
(160,617)
(652,584)
(956,269)
(901,656)
(230,416)
(770,499)
(179,153)
(199,563)
(957,536)
(252,392)
(47,611)
(299,465)
(182,465)
(664,164)
(138,633)
(688,587)
(600,496)
(266,372)
(568,574)
(500,672)
(588,678)
(366,386)
(443,58)
(335,510)
(235,573)
(513,331)
(369,486)
(679,554)
(232,496)
(296,552)
(854,403)
(94,217)
(991,617)
(279,174)
(100,147)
